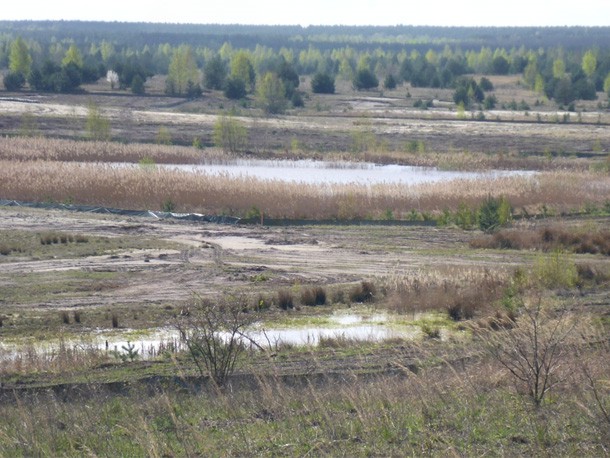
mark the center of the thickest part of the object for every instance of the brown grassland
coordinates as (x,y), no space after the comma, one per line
(498,339)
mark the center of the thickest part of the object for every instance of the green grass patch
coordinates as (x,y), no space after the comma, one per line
(31,245)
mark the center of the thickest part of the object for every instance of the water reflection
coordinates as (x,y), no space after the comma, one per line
(153,342)
(319,172)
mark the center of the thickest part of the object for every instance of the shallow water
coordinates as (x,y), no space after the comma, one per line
(319,172)
(151,343)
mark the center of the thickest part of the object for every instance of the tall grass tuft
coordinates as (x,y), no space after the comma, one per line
(285,299)
(313,296)
(364,292)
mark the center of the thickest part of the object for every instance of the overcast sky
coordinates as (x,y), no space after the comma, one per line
(317,12)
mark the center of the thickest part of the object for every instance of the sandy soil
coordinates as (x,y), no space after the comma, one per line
(216,258)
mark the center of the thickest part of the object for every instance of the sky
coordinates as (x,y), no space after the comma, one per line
(320,12)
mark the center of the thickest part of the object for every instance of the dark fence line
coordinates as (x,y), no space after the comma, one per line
(118,211)
(232,220)
(334,222)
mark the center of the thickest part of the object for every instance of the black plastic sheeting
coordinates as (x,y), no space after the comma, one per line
(117,211)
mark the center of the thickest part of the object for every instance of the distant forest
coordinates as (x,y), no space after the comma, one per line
(421,38)
(562,63)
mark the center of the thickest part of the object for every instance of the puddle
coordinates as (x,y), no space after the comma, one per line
(153,342)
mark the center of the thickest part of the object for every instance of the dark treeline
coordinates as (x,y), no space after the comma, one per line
(297,37)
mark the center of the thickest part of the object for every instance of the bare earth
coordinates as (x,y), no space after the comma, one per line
(216,259)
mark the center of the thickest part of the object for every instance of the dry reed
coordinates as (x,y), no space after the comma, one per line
(148,188)
(50,149)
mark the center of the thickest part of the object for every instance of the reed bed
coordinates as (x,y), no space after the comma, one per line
(49,149)
(53,149)
(150,187)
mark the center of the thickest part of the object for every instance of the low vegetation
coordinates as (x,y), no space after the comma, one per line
(551,238)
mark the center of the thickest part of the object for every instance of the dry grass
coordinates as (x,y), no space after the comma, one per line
(149,187)
(462,409)
(65,358)
(462,292)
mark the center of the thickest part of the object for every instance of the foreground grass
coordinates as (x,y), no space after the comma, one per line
(445,410)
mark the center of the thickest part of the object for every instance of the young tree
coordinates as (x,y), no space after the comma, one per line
(215,73)
(137,85)
(72,56)
(500,65)
(559,68)
(365,79)
(289,77)
(20,60)
(182,70)
(97,126)
(242,68)
(271,94)
(322,83)
(589,63)
(113,78)
(230,134)
(563,92)
(13,81)
(467,92)
(533,349)
(389,82)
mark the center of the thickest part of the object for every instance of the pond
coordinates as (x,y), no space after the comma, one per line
(320,172)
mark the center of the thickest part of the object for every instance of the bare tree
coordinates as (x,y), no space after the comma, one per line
(214,334)
(533,349)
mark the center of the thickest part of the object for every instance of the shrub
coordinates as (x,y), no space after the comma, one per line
(464,305)
(555,271)
(364,292)
(533,348)
(431,332)
(548,239)
(213,333)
